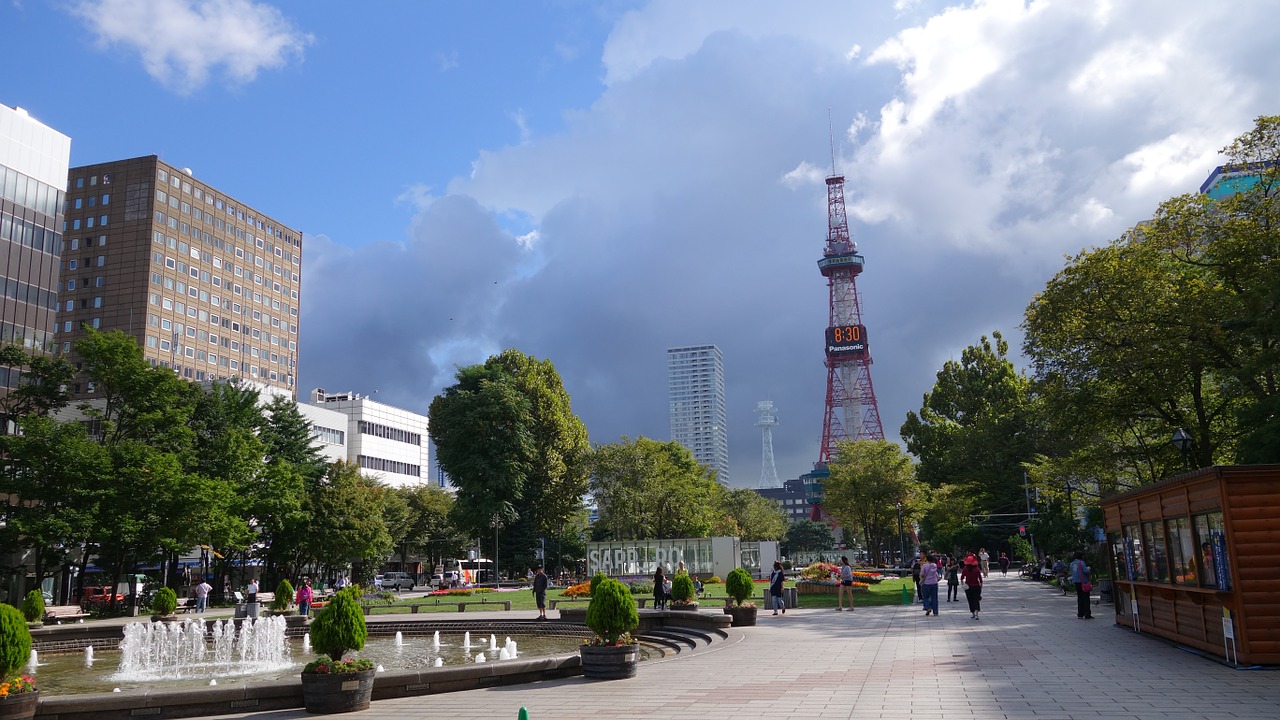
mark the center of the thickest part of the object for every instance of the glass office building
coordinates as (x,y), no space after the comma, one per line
(695,386)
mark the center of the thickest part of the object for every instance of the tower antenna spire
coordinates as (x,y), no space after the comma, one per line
(832,135)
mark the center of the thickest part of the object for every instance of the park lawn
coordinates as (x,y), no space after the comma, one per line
(520,600)
(886,592)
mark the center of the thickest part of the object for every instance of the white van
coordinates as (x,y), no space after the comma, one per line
(397,581)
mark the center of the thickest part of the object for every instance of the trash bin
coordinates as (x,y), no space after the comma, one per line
(242,610)
(252,609)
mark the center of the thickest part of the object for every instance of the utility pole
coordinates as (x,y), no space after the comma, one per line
(1031,513)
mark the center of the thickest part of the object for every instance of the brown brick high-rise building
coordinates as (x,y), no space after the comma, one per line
(207,285)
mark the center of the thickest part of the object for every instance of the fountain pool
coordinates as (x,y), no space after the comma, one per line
(66,674)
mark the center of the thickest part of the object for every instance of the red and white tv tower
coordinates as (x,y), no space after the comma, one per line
(851,410)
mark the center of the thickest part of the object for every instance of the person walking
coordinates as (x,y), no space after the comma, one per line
(659,594)
(971,574)
(846,583)
(915,578)
(540,592)
(1081,578)
(953,580)
(776,578)
(1004,564)
(929,577)
(304,597)
(984,561)
(202,595)
(1060,572)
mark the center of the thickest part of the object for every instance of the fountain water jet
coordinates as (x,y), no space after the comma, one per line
(34,662)
(399,639)
(156,651)
(435,640)
(88,656)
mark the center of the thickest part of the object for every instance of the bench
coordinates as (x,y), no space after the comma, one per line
(188,606)
(57,613)
(462,606)
(551,604)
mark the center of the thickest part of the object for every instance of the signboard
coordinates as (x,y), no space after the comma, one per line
(846,340)
(1218,543)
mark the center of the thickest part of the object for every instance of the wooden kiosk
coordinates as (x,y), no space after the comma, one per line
(1196,559)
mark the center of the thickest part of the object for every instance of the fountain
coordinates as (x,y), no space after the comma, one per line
(34,662)
(493,642)
(306,642)
(88,656)
(479,657)
(399,639)
(165,651)
(439,662)
(466,639)
(435,640)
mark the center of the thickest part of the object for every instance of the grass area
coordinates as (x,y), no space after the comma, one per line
(888,592)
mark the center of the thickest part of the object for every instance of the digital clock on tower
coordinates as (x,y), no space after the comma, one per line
(847,340)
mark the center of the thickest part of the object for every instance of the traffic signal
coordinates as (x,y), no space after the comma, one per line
(1022,530)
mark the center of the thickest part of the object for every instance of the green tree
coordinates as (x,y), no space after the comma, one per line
(428,531)
(347,523)
(37,384)
(805,535)
(646,489)
(756,517)
(868,480)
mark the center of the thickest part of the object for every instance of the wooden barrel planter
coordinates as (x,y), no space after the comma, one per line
(337,693)
(610,662)
(19,707)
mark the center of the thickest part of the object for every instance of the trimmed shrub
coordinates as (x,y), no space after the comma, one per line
(33,606)
(165,601)
(641,587)
(596,580)
(611,614)
(682,588)
(739,585)
(283,598)
(714,580)
(340,626)
(15,641)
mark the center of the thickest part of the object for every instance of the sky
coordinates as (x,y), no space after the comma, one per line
(595,182)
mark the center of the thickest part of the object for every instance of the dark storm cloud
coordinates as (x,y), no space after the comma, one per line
(687,205)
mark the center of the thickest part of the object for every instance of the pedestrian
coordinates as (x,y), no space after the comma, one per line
(971,574)
(1081,577)
(776,578)
(846,583)
(540,592)
(1004,564)
(303,597)
(984,561)
(953,580)
(1060,572)
(659,589)
(929,577)
(915,577)
(202,595)
(251,591)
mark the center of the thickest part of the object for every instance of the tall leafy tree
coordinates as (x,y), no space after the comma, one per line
(753,516)
(869,478)
(428,531)
(346,519)
(805,535)
(647,489)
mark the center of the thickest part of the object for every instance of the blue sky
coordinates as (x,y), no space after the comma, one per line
(596,182)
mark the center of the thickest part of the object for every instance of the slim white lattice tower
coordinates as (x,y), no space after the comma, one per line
(768,470)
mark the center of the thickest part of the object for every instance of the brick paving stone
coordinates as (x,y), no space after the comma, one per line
(1028,658)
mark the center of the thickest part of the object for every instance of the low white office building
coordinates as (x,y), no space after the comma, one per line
(387,442)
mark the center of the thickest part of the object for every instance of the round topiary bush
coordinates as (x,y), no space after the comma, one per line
(739,585)
(682,589)
(340,626)
(165,601)
(283,598)
(33,606)
(595,581)
(612,612)
(714,580)
(15,641)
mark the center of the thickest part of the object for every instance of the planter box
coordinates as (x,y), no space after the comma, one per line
(337,693)
(742,616)
(610,662)
(19,707)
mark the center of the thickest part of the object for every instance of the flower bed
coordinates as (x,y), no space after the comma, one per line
(867,577)
(576,591)
(826,587)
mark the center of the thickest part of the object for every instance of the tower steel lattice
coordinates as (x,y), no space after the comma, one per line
(768,469)
(851,410)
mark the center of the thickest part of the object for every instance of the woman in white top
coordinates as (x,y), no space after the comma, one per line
(846,583)
(929,577)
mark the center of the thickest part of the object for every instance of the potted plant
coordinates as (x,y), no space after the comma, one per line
(282,603)
(164,604)
(682,593)
(18,694)
(331,683)
(611,653)
(739,586)
(33,608)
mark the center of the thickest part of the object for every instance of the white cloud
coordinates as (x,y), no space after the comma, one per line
(182,42)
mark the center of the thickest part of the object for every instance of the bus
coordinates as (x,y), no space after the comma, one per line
(458,572)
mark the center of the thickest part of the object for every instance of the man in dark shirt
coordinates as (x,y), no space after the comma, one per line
(540,592)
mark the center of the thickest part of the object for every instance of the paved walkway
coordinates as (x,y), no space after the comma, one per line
(1028,657)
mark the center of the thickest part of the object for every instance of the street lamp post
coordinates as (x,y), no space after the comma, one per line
(902,541)
(496,522)
(1182,440)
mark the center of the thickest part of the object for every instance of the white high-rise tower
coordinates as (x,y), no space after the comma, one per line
(695,382)
(768,419)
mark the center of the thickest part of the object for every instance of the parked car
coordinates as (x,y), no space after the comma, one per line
(397,581)
(100,596)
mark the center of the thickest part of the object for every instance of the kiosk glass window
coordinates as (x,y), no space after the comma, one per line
(1207,526)
(1136,557)
(1182,551)
(1157,557)
(1119,558)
